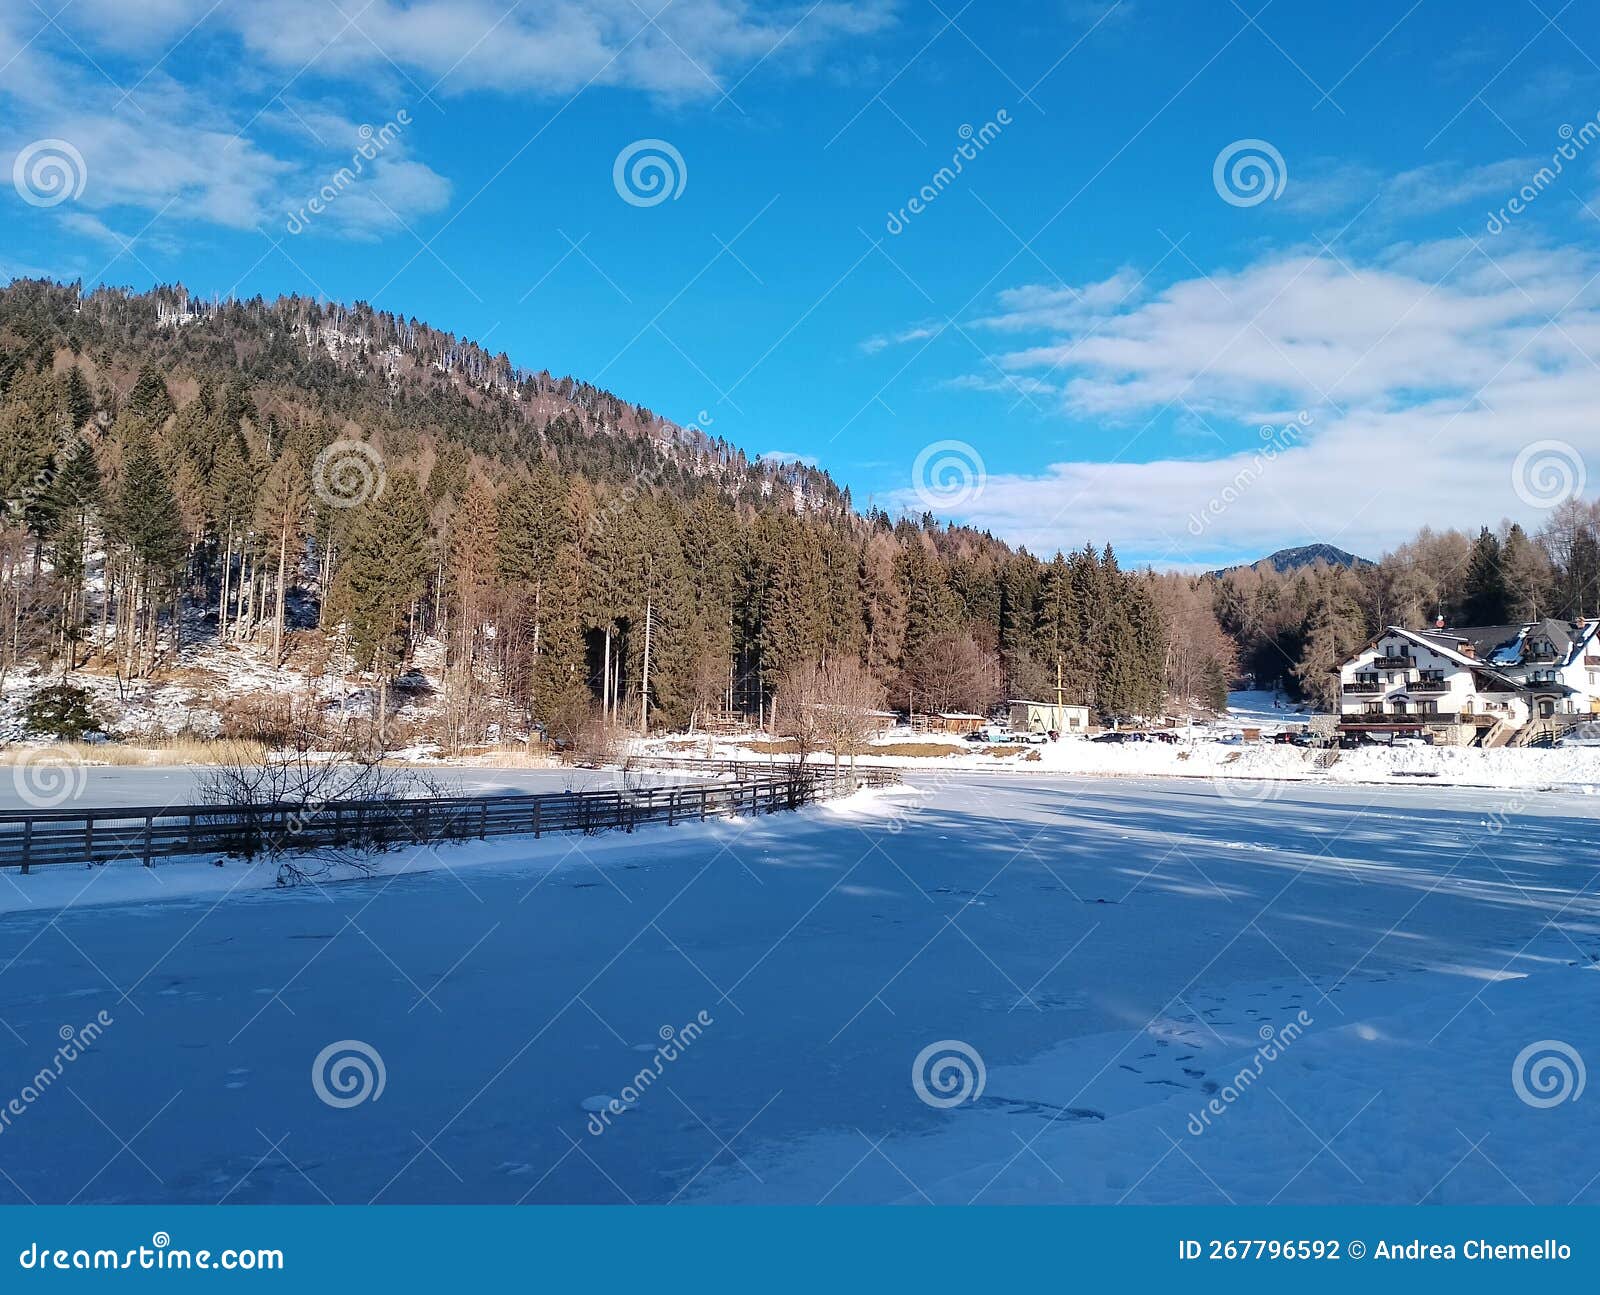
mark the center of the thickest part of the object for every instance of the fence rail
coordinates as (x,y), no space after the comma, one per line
(34,838)
(865,774)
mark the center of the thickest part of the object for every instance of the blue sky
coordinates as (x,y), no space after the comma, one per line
(1113,338)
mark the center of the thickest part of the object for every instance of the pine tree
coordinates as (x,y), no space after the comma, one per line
(1484,596)
(280,519)
(383,572)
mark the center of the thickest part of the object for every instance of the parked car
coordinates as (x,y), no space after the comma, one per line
(1111,737)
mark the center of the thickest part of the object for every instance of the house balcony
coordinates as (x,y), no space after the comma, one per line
(1363,689)
(1413,720)
(1539,658)
(1392,663)
(1425,684)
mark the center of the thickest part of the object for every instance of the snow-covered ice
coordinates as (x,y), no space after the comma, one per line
(1114,952)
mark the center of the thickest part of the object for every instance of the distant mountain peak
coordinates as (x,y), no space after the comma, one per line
(1303,555)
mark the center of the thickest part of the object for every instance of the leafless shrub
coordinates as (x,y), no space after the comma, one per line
(292,793)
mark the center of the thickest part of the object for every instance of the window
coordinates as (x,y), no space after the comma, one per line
(1429,708)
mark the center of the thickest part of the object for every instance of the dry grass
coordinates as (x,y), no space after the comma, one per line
(161,751)
(934,749)
(510,756)
(771,746)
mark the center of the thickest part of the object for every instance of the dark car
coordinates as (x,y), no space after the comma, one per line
(1114,737)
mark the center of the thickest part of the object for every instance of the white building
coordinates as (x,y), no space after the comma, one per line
(1046,717)
(1481,684)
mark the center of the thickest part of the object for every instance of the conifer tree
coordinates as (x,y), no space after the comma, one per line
(280,520)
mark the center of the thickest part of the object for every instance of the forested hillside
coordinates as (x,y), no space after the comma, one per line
(342,484)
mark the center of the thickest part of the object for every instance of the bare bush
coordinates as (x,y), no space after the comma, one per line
(290,791)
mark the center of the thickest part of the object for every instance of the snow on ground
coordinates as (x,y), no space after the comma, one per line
(1197,756)
(1265,709)
(1112,950)
(108,786)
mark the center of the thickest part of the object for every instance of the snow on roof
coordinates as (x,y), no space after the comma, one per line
(957,714)
(1065,705)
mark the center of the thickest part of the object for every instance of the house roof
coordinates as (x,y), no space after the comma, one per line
(1064,705)
(1501,645)
(1442,644)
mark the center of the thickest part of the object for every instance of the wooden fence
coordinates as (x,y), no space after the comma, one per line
(33,838)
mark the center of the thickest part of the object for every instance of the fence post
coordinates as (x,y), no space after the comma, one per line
(27,843)
(702,804)
(149,827)
(537,806)
(483,822)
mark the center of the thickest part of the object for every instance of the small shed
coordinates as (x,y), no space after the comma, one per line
(955,721)
(1047,717)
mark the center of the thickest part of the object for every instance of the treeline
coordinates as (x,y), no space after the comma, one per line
(1297,627)
(649,587)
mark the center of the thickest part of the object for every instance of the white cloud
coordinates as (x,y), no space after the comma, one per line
(916,333)
(1423,372)
(1425,190)
(234,150)
(691,49)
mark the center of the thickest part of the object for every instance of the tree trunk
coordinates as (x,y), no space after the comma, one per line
(277,628)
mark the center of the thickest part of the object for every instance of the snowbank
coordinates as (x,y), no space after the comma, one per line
(1522,768)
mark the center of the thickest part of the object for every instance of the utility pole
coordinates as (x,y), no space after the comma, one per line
(644,691)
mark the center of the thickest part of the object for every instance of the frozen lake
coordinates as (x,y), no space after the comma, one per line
(109,785)
(1110,949)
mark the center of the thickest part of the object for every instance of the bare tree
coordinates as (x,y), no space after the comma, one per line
(828,706)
